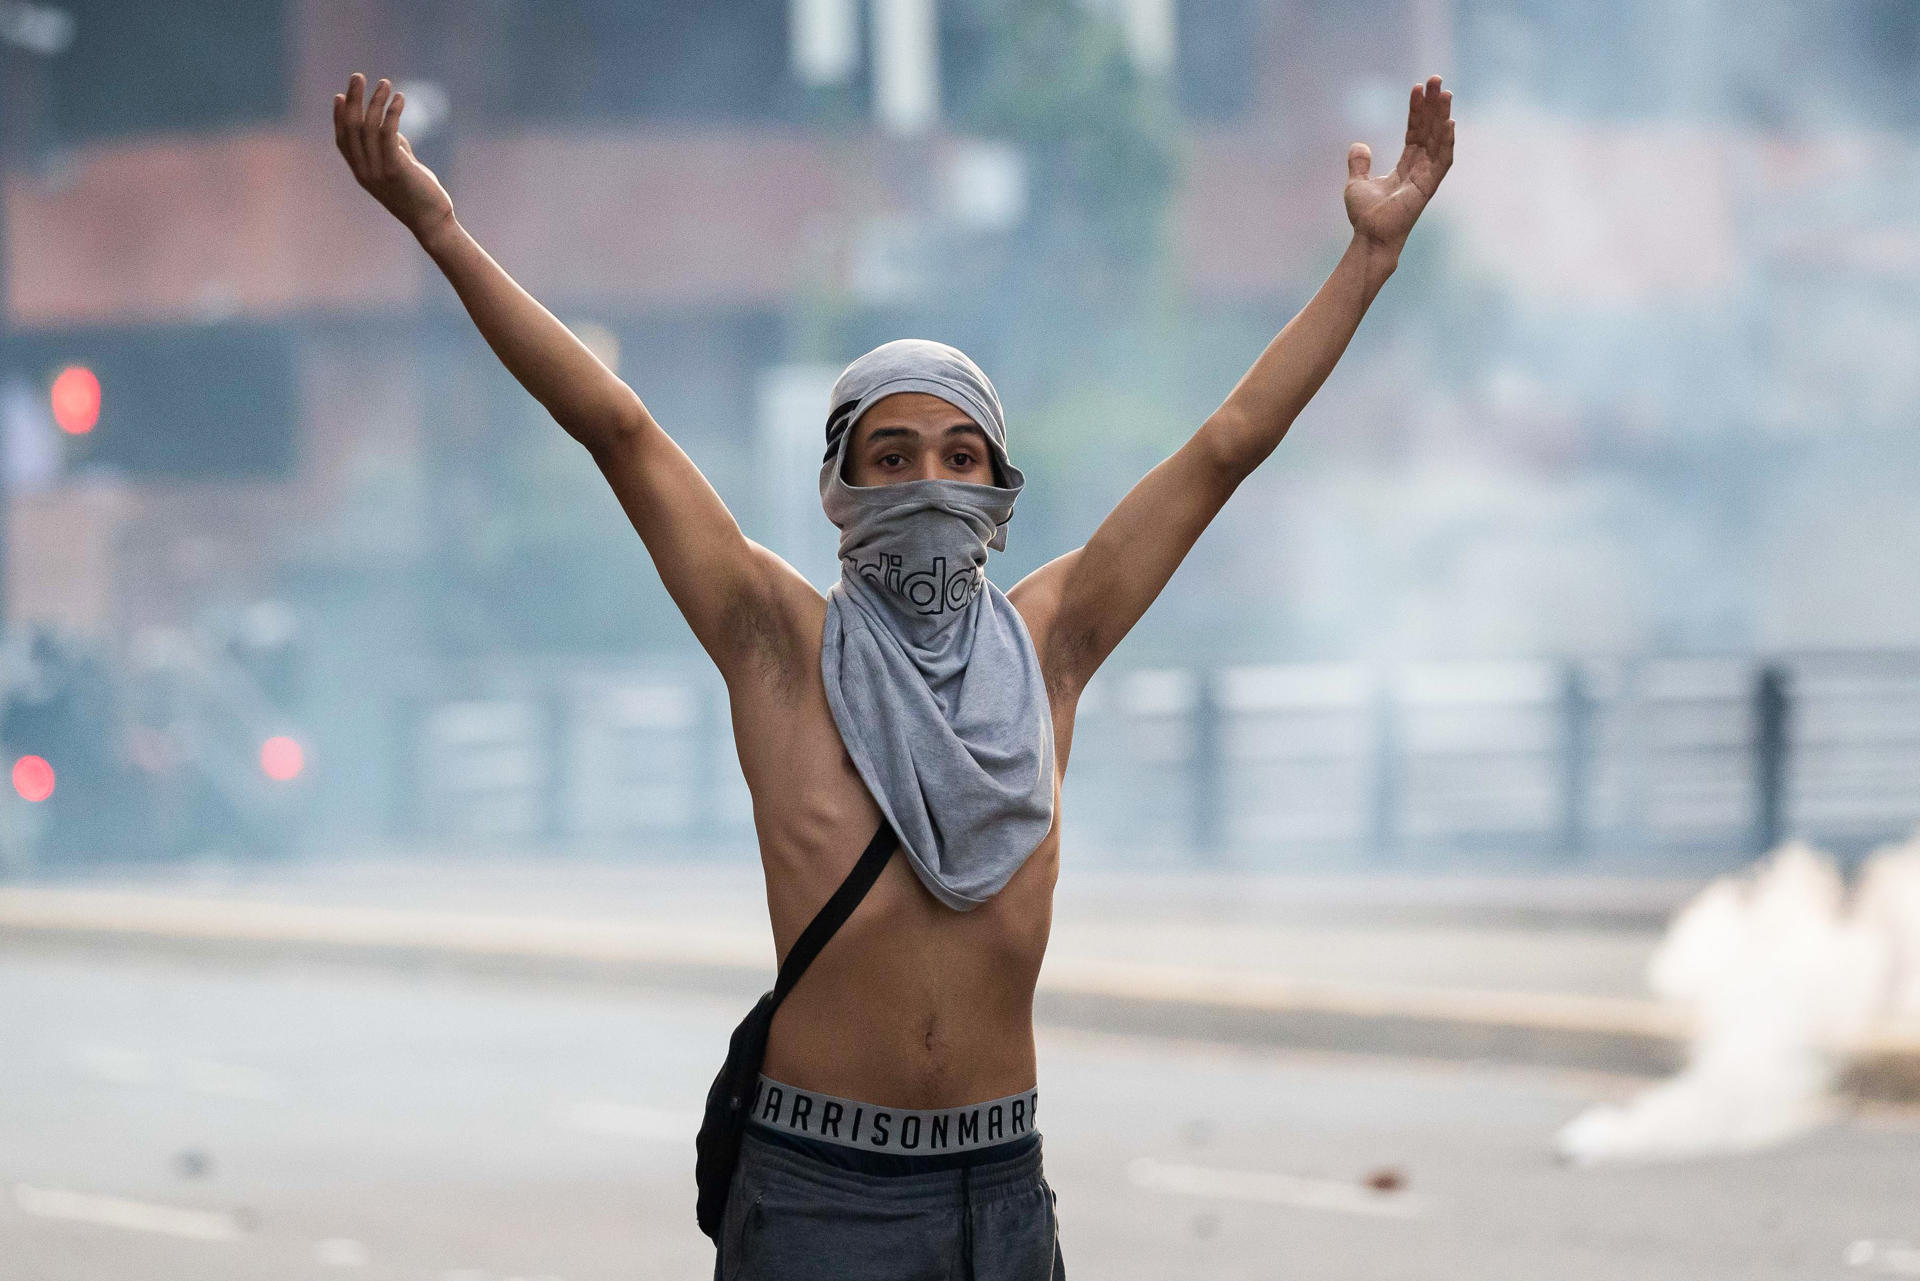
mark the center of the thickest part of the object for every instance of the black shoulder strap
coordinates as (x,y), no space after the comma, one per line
(838,908)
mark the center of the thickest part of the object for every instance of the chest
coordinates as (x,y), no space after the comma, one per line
(812,810)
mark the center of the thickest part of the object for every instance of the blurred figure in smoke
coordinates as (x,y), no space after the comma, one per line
(266,644)
(893,1132)
(62,710)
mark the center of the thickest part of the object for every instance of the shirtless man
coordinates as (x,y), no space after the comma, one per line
(915,1007)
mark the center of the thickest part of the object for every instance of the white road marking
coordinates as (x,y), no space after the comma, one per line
(118,1212)
(112,1063)
(629,1121)
(341,1252)
(1896,1258)
(121,1066)
(1270,1188)
(228,1080)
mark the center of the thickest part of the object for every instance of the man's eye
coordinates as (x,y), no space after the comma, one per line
(964,460)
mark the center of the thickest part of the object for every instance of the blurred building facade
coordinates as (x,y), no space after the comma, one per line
(273,348)
(1597,412)
(293,404)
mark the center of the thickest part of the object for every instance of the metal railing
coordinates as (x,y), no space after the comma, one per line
(1673,757)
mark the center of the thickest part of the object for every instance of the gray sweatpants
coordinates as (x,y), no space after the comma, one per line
(791,1217)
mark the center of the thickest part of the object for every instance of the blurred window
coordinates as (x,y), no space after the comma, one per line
(180,65)
(661,59)
(1587,57)
(1216,57)
(1890,31)
(1850,60)
(185,401)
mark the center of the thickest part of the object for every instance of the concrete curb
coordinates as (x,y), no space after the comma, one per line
(1562,1030)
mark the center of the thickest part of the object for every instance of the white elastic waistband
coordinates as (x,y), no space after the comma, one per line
(850,1123)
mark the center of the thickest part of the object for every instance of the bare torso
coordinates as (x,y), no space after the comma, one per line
(912,1004)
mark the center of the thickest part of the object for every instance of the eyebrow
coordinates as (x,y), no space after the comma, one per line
(882,433)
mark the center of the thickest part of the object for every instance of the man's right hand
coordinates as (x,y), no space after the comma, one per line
(744,603)
(382,160)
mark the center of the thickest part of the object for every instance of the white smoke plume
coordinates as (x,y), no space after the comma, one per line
(1889,901)
(1785,979)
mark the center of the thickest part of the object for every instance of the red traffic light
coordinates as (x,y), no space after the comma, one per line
(76,400)
(281,758)
(33,778)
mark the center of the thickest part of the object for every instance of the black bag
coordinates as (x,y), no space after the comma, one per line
(718,1146)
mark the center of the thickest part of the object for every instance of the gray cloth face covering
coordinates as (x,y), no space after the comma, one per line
(930,672)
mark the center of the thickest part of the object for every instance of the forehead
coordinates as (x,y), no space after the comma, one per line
(912,409)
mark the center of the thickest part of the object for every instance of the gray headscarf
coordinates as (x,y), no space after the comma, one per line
(930,671)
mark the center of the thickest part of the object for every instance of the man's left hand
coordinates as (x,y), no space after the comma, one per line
(1383,209)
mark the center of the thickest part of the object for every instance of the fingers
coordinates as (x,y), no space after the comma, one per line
(1427,103)
(390,155)
(369,135)
(352,113)
(1429,127)
(340,122)
(370,129)
(1359,160)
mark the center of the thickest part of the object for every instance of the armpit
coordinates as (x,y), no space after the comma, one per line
(765,646)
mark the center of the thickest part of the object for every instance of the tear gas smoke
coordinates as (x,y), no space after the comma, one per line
(1786,979)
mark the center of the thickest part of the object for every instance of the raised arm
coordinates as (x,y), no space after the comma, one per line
(1087,600)
(725,584)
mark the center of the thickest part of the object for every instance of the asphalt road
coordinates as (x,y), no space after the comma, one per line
(204,1125)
